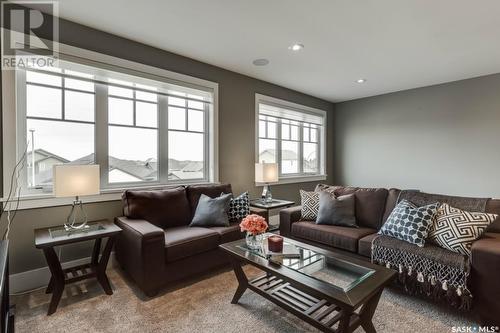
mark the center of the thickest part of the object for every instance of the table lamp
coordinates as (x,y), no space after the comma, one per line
(75,181)
(266,173)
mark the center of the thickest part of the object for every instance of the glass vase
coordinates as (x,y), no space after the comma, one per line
(254,242)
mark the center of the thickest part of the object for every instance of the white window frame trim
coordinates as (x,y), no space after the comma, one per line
(10,132)
(260,98)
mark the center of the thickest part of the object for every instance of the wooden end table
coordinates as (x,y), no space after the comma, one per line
(47,238)
(268,206)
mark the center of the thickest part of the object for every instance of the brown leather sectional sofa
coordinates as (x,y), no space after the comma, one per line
(157,246)
(373,206)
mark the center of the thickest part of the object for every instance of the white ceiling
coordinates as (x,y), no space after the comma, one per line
(394,44)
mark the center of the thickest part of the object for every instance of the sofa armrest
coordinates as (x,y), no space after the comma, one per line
(485,276)
(287,217)
(140,249)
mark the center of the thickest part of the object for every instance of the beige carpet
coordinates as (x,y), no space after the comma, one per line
(204,305)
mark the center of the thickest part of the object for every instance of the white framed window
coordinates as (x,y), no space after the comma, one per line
(292,135)
(144,126)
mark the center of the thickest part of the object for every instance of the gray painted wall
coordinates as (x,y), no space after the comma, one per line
(441,139)
(236,136)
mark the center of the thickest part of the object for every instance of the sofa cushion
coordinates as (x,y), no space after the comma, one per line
(229,234)
(336,210)
(493,207)
(410,223)
(370,203)
(455,229)
(365,245)
(345,238)
(163,208)
(390,203)
(184,241)
(212,190)
(211,212)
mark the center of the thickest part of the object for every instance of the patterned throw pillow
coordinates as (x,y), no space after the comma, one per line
(310,205)
(410,223)
(455,229)
(239,207)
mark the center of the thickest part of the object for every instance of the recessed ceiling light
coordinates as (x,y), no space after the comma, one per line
(260,62)
(361,80)
(296,47)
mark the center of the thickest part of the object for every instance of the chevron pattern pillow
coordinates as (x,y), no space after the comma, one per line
(455,229)
(410,223)
(310,205)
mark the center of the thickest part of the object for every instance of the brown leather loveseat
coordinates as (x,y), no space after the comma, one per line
(372,208)
(157,246)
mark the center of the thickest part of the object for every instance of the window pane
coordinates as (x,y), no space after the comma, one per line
(57,142)
(271,130)
(267,151)
(79,85)
(120,111)
(185,155)
(133,154)
(176,118)
(43,102)
(79,106)
(305,134)
(146,114)
(294,133)
(47,79)
(195,121)
(146,96)
(195,105)
(262,129)
(285,132)
(310,152)
(176,101)
(123,92)
(289,157)
(314,135)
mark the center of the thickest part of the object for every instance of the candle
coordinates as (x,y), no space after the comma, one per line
(275,243)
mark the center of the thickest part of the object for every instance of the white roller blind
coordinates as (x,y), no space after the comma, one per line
(267,109)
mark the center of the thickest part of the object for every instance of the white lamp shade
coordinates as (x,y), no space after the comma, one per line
(75,180)
(266,172)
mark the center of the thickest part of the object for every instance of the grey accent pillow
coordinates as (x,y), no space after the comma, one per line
(338,211)
(212,212)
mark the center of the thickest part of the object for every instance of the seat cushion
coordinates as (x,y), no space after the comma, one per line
(212,190)
(365,245)
(184,241)
(345,238)
(163,208)
(229,234)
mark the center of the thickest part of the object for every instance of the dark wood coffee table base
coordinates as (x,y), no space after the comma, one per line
(318,312)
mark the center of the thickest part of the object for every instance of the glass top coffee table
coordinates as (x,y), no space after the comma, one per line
(331,291)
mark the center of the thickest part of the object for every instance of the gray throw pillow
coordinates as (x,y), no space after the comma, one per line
(336,210)
(212,212)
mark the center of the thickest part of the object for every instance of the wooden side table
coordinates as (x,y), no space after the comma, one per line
(268,206)
(47,238)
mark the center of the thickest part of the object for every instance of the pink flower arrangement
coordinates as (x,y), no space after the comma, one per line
(253,224)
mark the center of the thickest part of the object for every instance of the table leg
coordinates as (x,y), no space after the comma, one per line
(242,280)
(95,252)
(344,322)
(367,312)
(50,287)
(101,267)
(57,278)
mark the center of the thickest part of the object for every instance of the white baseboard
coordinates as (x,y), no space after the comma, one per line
(37,278)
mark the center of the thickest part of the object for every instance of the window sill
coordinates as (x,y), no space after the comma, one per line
(298,179)
(48,200)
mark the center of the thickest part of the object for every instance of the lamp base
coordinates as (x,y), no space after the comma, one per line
(77,219)
(267,196)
